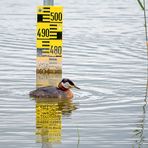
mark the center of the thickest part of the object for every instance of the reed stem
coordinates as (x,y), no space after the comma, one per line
(78,137)
(146,39)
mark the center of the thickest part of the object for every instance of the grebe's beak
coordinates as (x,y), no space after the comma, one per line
(76,87)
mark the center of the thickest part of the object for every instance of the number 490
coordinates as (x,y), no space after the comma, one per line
(43,32)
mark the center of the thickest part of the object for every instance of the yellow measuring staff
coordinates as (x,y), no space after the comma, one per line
(49,33)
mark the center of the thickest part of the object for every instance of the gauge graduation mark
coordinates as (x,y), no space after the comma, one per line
(49,31)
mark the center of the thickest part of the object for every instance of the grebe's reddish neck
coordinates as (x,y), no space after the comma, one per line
(61,87)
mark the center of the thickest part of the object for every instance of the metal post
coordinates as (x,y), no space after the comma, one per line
(49,2)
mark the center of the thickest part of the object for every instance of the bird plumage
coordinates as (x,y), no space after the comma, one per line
(62,91)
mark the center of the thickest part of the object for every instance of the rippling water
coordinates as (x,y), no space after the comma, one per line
(104,54)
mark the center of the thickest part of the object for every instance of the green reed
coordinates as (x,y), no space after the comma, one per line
(142,4)
(78,133)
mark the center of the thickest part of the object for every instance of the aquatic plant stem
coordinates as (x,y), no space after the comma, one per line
(146,38)
(78,137)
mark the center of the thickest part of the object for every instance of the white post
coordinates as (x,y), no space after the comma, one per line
(48,2)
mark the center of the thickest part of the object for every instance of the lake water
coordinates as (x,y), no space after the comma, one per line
(104,53)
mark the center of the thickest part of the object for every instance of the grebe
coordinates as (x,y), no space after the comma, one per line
(62,91)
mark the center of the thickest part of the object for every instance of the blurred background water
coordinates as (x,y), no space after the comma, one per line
(104,53)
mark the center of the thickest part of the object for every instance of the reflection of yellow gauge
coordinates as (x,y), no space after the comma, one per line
(49,33)
(49,114)
(48,122)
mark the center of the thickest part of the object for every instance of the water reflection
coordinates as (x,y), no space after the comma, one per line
(49,112)
(48,122)
(139,132)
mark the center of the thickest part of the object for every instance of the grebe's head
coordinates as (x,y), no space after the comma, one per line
(66,84)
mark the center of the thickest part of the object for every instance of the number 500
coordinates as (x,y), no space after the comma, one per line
(55,16)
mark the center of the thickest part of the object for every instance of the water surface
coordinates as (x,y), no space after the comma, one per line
(104,53)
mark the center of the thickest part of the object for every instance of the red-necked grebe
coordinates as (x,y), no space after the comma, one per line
(62,91)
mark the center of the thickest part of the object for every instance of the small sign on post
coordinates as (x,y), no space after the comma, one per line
(49,39)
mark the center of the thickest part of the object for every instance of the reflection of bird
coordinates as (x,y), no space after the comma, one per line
(46,145)
(62,91)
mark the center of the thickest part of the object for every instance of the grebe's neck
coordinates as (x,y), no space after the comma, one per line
(61,87)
